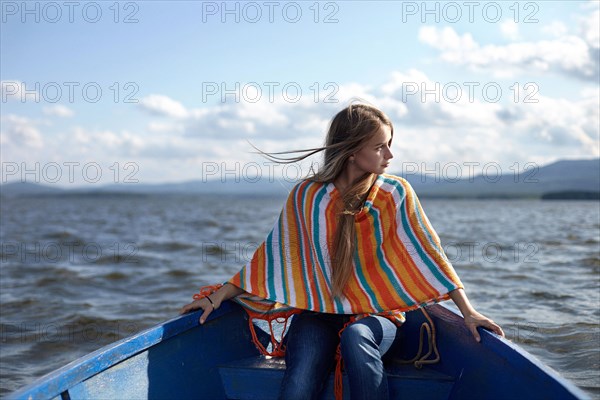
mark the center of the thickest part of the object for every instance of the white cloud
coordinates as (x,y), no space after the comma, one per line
(556,126)
(20,131)
(164,127)
(125,144)
(483,131)
(163,106)
(555,29)
(95,142)
(58,110)
(510,29)
(260,113)
(447,38)
(417,100)
(447,128)
(14,90)
(590,28)
(265,119)
(350,91)
(427,129)
(571,55)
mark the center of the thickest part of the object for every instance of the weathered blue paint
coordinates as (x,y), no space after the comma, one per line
(175,359)
(495,368)
(180,359)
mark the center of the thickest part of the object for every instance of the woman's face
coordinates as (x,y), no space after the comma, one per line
(375,155)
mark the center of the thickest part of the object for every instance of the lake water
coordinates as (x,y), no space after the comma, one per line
(78,273)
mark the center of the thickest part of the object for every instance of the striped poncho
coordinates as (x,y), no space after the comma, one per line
(399,263)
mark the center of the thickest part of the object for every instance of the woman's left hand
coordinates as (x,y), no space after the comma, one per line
(475,319)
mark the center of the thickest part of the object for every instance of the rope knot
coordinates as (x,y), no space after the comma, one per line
(206,291)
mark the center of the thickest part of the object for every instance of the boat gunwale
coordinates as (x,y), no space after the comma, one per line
(56,382)
(505,348)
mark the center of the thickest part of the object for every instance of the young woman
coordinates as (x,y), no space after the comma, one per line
(352,249)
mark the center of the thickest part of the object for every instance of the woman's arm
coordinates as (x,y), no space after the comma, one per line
(225,292)
(473,319)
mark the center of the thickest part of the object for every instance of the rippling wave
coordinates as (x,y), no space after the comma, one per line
(77,275)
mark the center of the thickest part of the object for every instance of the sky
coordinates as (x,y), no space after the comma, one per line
(100,92)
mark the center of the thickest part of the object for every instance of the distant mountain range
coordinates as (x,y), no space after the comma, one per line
(561,177)
(565,179)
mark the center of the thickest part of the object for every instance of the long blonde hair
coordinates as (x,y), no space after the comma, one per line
(348,132)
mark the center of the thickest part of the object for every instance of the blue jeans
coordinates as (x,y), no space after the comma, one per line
(310,355)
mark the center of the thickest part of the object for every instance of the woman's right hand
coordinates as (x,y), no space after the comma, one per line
(203,304)
(225,292)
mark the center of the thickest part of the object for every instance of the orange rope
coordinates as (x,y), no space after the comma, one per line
(277,346)
(338,382)
(206,291)
(278,349)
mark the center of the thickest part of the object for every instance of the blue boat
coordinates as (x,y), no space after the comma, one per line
(180,359)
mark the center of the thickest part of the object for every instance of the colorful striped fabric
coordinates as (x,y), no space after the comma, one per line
(399,263)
